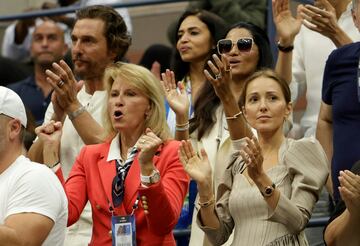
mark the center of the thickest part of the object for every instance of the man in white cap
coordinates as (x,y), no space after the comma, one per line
(33,204)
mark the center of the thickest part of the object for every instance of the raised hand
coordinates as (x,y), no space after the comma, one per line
(155,69)
(350,192)
(322,18)
(197,167)
(148,144)
(223,76)
(286,25)
(253,158)
(65,85)
(177,98)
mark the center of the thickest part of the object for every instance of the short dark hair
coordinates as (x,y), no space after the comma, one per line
(217,28)
(115,31)
(270,74)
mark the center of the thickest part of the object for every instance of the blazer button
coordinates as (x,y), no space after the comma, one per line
(143,198)
(110,233)
(97,206)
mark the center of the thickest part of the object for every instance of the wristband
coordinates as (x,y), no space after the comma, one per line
(207,203)
(76,113)
(54,165)
(285,49)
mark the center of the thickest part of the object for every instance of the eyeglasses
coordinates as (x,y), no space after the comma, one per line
(243,44)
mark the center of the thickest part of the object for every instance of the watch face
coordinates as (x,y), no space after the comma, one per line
(155,177)
(268,190)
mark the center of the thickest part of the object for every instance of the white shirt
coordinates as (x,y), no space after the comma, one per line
(29,187)
(311,51)
(21,52)
(71,144)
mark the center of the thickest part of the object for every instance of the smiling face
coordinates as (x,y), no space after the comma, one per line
(128,107)
(194,40)
(265,105)
(242,63)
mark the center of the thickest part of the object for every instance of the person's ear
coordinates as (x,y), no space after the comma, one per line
(244,112)
(15,129)
(288,109)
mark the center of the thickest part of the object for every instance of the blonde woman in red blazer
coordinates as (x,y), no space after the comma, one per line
(135,117)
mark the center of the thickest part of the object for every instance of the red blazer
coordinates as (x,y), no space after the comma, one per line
(91,179)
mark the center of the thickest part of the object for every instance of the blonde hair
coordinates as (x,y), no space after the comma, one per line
(142,79)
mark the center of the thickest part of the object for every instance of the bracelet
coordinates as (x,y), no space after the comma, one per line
(234,117)
(285,49)
(54,165)
(182,129)
(182,125)
(207,203)
(76,113)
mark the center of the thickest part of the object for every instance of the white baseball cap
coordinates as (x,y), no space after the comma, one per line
(12,105)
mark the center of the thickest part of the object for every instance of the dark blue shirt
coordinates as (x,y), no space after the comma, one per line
(340,89)
(32,97)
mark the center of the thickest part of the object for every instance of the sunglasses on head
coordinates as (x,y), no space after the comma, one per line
(243,44)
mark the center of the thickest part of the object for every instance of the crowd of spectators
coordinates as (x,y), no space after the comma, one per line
(95,150)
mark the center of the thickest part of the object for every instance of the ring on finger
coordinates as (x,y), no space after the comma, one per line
(228,70)
(218,76)
(60,83)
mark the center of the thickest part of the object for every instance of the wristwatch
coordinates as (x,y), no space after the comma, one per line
(153,178)
(268,190)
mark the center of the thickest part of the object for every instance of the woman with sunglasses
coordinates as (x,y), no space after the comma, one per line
(216,109)
(271,184)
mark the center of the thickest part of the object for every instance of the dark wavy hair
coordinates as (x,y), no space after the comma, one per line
(115,31)
(217,28)
(207,101)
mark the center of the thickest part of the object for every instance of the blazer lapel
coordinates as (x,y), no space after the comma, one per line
(107,174)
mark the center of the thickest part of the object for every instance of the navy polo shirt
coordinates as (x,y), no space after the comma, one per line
(340,90)
(32,97)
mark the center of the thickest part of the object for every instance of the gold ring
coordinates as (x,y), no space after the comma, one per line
(228,70)
(218,76)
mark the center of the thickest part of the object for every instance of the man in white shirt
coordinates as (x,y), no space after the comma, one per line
(33,204)
(99,39)
(17,37)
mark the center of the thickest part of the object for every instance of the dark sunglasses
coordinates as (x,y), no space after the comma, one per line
(243,44)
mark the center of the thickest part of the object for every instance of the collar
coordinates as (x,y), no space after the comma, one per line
(115,150)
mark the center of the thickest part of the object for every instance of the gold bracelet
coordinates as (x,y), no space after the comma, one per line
(182,125)
(235,116)
(207,203)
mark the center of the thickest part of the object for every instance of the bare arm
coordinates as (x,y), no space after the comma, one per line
(199,169)
(29,229)
(324,133)
(178,101)
(287,28)
(324,130)
(237,125)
